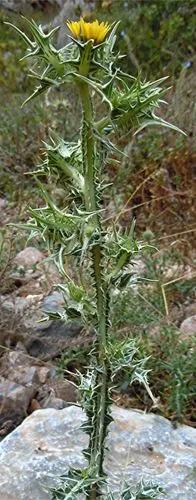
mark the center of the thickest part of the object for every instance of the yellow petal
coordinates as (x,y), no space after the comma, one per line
(82,28)
(93,30)
(74,27)
(89,30)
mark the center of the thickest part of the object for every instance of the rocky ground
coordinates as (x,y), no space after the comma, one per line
(28,376)
(143,449)
(30,348)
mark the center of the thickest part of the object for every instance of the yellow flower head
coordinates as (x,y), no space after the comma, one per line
(89,30)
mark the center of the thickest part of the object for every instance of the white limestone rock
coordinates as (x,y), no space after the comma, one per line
(140,445)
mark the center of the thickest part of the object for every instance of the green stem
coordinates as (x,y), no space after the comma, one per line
(89,152)
(98,433)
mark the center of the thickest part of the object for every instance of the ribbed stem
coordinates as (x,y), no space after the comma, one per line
(89,159)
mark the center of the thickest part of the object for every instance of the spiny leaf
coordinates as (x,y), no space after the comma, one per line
(65,158)
(75,483)
(96,86)
(38,91)
(22,34)
(160,122)
(111,40)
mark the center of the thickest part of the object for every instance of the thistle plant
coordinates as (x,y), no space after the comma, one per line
(104,254)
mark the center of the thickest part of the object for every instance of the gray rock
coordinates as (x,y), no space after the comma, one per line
(14,359)
(28,257)
(3,203)
(49,271)
(26,385)
(25,375)
(23,5)
(147,446)
(53,402)
(53,302)
(45,374)
(31,375)
(139,446)
(20,368)
(18,305)
(22,278)
(20,347)
(33,321)
(8,422)
(14,396)
(188,327)
(50,342)
(37,451)
(57,393)
(33,307)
